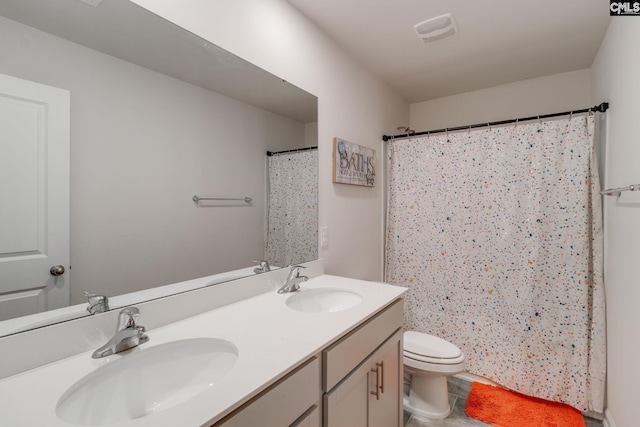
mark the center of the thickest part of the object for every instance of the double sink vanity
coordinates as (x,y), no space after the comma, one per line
(234,354)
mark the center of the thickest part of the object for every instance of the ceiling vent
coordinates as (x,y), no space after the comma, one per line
(436,28)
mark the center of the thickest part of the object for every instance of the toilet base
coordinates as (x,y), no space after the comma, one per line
(428,397)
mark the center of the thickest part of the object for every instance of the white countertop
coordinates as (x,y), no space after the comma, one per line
(271,338)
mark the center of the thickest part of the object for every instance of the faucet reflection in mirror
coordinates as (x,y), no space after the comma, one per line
(292,223)
(97,303)
(263,268)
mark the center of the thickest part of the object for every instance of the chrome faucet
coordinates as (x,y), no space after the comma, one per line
(293,281)
(128,334)
(264,267)
(97,303)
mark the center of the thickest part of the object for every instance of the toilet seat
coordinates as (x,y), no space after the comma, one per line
(428,352)
(420,346)
(434,361)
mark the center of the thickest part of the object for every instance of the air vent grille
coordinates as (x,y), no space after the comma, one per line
(436,28)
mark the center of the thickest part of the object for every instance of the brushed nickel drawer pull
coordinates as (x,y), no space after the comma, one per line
(377,372)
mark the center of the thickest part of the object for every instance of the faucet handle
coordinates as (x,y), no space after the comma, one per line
(128,318)
(93,298)
(295,270)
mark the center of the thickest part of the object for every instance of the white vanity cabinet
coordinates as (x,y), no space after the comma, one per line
(363,374)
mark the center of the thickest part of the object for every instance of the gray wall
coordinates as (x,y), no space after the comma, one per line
(615,79)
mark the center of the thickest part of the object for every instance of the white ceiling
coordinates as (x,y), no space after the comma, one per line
(498,41)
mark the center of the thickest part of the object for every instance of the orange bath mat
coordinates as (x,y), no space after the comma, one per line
(504,408)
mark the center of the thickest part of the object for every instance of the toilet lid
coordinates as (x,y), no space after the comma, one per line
(430,346)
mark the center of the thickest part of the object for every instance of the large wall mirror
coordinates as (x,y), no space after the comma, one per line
(157,116)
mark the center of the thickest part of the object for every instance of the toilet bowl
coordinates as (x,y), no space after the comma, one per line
(429,360)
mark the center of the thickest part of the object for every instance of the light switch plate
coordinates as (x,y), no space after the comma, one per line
(324,237)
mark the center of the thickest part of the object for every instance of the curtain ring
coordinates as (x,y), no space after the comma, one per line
(570,115)
(489,125)
(539,121)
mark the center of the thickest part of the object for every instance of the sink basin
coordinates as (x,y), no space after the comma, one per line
(323,300)
(147,381)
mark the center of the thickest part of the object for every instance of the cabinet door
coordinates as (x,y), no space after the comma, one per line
(370,395)
(347,404)
(385,407)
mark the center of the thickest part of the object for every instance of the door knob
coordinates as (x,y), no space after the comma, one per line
(57,270)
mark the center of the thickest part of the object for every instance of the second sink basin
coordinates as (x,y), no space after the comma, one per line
(323,300)
(147,381)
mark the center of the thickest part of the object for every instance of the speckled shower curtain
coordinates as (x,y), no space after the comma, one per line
(292,228)
(497,233)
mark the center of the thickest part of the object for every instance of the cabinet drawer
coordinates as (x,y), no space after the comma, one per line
(283,403)
(344,355)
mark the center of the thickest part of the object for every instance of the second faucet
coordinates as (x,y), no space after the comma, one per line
(293,281)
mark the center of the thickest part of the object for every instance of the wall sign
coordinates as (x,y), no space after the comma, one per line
(353,164)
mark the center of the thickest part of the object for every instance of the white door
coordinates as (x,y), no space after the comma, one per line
(34,197)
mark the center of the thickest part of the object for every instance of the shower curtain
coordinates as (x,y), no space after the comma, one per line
(292,219)
(497,234)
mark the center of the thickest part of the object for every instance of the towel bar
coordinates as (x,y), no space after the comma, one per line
(244,199)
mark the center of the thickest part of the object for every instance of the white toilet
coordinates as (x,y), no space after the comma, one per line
(429,360)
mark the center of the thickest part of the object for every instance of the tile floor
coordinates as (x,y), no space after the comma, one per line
(458,391)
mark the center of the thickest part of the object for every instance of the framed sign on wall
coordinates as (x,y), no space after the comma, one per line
(353,164)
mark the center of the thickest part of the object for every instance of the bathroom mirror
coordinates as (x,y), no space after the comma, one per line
(158,115)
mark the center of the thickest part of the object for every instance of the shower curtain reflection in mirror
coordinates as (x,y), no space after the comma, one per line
(292,221)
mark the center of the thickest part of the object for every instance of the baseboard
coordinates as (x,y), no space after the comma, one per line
(608,419)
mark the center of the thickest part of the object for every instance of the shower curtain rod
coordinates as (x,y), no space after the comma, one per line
(598,108)
(271,153)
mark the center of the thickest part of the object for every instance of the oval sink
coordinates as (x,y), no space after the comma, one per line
(323,300)
(147,381)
